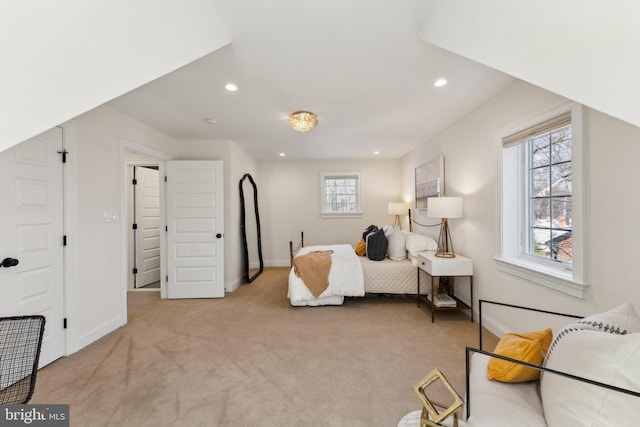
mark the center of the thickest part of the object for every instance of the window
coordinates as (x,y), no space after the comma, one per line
(549,193)
(340,194)
(541,220)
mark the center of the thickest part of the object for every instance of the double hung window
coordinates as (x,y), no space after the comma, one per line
(340,193)
(541,218)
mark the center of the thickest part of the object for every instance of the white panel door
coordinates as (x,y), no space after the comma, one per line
(147,209)
(195,220)
(31,230)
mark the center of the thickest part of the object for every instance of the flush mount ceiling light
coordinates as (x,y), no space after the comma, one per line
(440,83)
(303,121)
(231,87)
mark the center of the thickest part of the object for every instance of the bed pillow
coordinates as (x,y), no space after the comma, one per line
(397,250)
(377,245)
(361,248)
(603,357)
(370,229)
(418,243)
(529,347)
(389,228)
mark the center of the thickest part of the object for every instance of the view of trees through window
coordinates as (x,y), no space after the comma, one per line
(341,194)
(549,220)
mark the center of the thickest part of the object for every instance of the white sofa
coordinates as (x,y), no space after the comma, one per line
(604,348)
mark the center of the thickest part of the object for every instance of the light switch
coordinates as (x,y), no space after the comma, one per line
(109,216)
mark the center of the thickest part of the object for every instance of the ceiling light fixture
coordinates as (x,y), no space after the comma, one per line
(231,87)
(212,121)
(303,121)
(440,83)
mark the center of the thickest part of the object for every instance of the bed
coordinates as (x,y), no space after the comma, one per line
(354,276)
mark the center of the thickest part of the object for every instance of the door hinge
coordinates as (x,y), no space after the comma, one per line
(165,178)
(166,279)
(64,240)
(134,181)
(166,229)
(64,155)
(64,323)
(135,226)
(135,271)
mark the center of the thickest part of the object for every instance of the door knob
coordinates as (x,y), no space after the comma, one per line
(219,235)
(9,262)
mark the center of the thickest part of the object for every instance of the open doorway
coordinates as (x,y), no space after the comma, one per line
(145,227)
(141,159)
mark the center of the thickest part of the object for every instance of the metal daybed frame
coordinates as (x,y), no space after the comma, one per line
(470,350)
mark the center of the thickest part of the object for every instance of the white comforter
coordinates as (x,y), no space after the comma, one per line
(345,278)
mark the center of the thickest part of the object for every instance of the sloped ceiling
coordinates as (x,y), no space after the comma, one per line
(584,50)
(358,64)
(63,58)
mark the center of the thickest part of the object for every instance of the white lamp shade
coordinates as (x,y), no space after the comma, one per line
(397,208)
(444,207)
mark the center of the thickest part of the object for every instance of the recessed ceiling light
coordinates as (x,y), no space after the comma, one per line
(212,121)
(440,83)
(282,154)
(231,87)
(376,152)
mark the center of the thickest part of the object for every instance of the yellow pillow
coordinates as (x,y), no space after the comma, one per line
(530,347)
(361,248)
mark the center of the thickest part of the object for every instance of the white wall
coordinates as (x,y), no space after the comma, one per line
(290,203)
(585,50)
(470,149)
(66,57)
(95,306)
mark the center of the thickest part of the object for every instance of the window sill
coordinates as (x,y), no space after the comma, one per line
(554,279)
(341,215)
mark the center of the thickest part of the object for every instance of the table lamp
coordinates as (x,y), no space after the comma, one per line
(445,208)
(397,209)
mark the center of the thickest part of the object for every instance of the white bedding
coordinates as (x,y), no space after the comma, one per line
(345,278)
(389,277)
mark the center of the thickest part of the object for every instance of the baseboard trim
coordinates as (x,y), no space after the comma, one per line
(92,336)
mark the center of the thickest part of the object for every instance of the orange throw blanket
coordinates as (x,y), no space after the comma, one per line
(313,268)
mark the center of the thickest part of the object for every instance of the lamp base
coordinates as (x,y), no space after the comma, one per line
(445,244)
(445,254)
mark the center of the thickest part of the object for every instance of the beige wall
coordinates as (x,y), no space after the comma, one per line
(470,149)
(290,203)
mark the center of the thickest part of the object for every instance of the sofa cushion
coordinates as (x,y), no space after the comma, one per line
(497,404)
(619,320)
(604,357)
(529,347)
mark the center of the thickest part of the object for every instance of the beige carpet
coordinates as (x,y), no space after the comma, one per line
(250,359)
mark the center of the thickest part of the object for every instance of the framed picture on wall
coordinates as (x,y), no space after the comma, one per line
(429,181)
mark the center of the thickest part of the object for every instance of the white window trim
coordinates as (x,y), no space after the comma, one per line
(323,196)
(571,281)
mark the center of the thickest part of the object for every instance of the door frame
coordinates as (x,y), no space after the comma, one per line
(155,158)
(130,164)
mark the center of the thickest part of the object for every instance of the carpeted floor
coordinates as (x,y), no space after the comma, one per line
(250,359)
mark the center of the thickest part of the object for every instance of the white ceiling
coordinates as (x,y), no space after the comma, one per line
(358,64)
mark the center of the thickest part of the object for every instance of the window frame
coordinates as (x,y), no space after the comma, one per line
(324,213)
(512,209)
